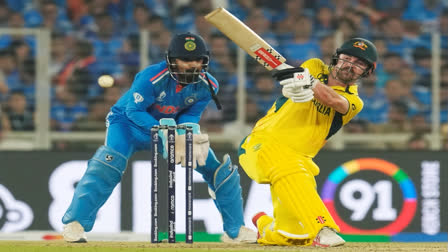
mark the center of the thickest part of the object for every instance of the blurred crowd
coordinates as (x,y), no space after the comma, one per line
(90,38)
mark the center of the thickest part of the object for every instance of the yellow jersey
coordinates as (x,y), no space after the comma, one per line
(305,127)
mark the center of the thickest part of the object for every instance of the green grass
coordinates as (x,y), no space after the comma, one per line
(61,246)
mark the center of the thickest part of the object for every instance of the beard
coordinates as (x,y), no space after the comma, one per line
(189,76)
(346,75)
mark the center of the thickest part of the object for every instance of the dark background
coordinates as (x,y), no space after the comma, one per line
(26,175)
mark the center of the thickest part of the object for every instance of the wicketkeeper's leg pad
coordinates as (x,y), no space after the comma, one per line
(104,172)
(227,194)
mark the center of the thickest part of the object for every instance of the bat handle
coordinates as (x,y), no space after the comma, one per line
(283,66)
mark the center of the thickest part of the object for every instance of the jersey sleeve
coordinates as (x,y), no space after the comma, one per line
(316,67)
(355,106)
(142,97)
(193,113)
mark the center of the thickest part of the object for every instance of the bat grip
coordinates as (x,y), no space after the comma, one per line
(283,66)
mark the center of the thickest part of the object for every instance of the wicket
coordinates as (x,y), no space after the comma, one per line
(171,145)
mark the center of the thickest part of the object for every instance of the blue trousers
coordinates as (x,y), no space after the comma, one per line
(108,164)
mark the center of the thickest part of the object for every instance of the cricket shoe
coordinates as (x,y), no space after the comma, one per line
(74,232)
(255,219)
(246,235)
(327,237)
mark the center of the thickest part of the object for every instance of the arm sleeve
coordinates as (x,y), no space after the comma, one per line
(141,98)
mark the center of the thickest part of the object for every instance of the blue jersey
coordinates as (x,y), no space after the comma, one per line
(154,94)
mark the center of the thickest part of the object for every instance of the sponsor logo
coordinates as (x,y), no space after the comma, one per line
(166,109)
(267,57)
(321,219)
(109,157)
(138,97)
(365,199)
(15,215)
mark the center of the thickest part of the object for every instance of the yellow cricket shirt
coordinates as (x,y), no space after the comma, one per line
(305,127)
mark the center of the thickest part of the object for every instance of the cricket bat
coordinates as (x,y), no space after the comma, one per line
(246,39)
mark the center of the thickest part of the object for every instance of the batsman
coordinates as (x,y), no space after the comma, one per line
(174,91)
(317,101)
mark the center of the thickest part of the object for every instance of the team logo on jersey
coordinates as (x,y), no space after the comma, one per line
(190,100)
(190,45)
(323,78)
(360,44)
(137,97)
(256,147)
(161,96)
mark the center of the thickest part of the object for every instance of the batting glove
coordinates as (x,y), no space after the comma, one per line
(297,77)
(303,95)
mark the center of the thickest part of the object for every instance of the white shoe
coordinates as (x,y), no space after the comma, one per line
(327,237)
(74,232)
(246,235)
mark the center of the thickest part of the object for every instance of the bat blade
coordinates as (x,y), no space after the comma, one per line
(246,39)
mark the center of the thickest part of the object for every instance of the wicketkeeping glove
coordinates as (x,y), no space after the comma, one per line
(201,146)
(163,134)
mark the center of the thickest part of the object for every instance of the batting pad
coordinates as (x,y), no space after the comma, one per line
(300,208)
(299,213)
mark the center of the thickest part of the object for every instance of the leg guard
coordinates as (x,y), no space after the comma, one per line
(226,192)
(103,173)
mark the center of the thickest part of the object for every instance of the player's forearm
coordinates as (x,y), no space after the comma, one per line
(142,119)
(329,97)
(184,118)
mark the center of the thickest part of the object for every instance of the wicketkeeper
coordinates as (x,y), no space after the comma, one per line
(175,91)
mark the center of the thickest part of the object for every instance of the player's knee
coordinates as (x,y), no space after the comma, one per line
(208,170)
(107,165)
(226,176)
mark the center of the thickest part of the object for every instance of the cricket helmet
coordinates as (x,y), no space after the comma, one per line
(187,47)
(360,48)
